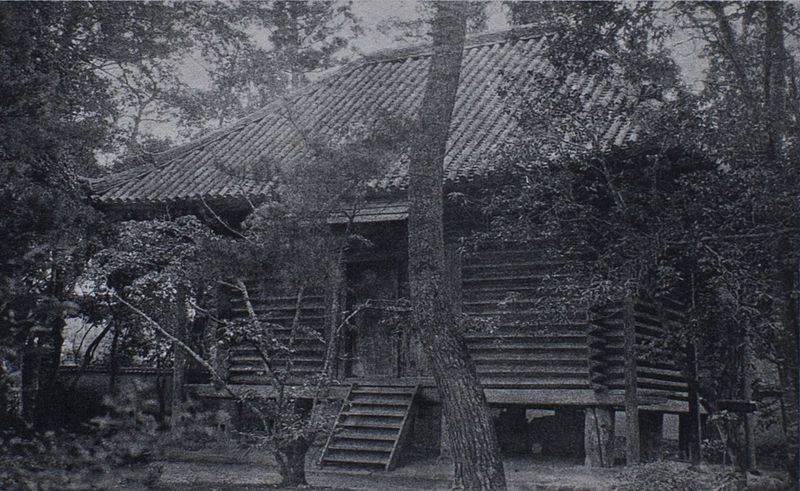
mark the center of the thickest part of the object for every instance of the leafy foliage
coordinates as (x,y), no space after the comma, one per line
(701,207)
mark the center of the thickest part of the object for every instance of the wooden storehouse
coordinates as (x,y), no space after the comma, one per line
(553,378)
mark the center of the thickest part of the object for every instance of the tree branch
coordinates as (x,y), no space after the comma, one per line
(199,359)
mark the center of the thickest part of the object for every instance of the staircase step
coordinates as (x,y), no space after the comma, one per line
(366,420)
(370,424)
(359,433)
(340,443)
(351,457)
(375,411)
(383,390)
(361,398)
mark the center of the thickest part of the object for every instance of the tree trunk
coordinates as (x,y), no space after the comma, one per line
(292,462)
(774,79)
(632,447)
(474,443)
(775,61)
(789,358)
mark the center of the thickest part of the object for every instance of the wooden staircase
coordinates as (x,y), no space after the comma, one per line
(371,427)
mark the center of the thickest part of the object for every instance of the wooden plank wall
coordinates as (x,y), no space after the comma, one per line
(531,336)
(277,306)
(529,340)
(658,368)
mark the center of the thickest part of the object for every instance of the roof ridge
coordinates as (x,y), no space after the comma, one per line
(514,33)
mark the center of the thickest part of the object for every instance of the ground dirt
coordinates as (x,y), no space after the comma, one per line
(249,471)
(522,474)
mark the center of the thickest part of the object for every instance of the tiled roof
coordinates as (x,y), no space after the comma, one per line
(389,82)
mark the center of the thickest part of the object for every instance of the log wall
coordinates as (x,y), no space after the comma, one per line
(276,307)
(659,380)
(527,331)
(525,337)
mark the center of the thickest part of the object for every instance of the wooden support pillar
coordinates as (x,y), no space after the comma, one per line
(691,421)
(749,461)
(334,345)
(31,367)
(453,275)
(684,436)
(651,426)
(220,357)
(598,436)
(178,382)
(632,449)
(179,359)
(220,351)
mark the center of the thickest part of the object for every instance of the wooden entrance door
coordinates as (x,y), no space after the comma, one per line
(372,345)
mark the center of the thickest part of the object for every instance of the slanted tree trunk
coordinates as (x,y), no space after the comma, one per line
(472,436)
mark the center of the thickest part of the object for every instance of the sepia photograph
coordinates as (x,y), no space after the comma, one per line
(399,245)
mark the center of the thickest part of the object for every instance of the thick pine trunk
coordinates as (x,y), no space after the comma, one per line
(472,437)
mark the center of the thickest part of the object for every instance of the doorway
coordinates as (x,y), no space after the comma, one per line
(372,343)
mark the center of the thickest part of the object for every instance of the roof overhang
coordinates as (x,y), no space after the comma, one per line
(372,212)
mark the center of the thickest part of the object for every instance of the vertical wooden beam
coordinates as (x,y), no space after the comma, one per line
(453,274)
(683,436)
(220,350)
(220,358)
(598,436)
(693,418)
(747,394)
(31,365)
(632,450)
(333,346)
(179,360)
